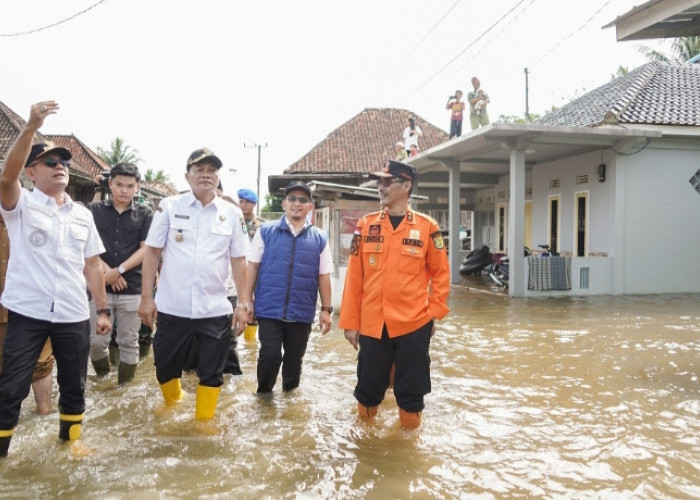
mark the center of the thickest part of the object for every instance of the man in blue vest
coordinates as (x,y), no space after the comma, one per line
(289,266)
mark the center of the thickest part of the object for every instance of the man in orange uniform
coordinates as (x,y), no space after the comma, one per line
(396,285)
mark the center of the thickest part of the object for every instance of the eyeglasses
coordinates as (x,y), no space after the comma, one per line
(53,163)
(301,199)
(388,181)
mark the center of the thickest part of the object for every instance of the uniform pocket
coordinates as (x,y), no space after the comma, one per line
(373,258)
(411,260)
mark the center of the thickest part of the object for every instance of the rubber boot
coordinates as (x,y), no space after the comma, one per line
(171,391)
(70,427)
(205,405)
(126,373)
(5,437)
(366,412)
(101,366)
(409,420)
(144,349)
(250,331)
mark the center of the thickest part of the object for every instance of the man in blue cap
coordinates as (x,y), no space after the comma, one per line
(247,199)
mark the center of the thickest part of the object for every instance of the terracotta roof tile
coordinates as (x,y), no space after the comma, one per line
(363,143)
(84,159)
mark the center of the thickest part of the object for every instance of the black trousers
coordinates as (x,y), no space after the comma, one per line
(173,342)
(25,339)
(233,365)
(275,335)
(411,355)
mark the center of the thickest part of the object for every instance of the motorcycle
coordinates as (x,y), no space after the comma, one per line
(476,260)
(499,269)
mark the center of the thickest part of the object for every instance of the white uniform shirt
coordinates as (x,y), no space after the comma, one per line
(48,248)
(198,243)
(258,248)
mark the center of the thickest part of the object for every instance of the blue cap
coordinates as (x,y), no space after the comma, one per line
(247,195)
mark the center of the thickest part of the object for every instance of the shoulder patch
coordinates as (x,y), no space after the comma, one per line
(437,240)
(355,245)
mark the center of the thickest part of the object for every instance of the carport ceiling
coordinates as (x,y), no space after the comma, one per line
(659,19)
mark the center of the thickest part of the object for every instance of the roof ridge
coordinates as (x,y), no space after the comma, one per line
(647,72)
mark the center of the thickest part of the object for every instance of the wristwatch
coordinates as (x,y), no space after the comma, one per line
(106,311)
(329,309)
(121,269)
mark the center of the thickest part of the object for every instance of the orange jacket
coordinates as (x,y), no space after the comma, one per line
(399,277)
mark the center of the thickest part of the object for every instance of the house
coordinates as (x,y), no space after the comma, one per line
(337,170)
(85,163)
(611,181)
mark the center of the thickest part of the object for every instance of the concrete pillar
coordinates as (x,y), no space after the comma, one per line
(516,224)
(454,219)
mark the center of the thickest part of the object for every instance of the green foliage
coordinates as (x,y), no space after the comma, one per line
(621,71)
(119,152)
(517,120)
(682,50)
(159,176)
(272,203)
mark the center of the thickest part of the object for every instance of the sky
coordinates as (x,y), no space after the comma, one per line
(172,76)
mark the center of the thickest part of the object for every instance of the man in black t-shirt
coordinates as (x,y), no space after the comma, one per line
(123,226)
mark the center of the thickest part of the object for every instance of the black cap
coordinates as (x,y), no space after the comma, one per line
(201,155)
(297,186)
(39,150)
(398,169)
(127,169)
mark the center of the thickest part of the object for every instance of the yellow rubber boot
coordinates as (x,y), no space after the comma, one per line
(171,391)
(5,437)
(409,420)
(250,331)
(365,411)
(205,405)
(69,426)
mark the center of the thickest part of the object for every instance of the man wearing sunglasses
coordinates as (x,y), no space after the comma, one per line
(396,285)
(289,266)
(55,254)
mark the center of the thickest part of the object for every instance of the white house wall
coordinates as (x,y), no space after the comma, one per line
(661,221)
(657,249)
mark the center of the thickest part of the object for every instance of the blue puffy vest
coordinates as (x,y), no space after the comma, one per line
(287,285)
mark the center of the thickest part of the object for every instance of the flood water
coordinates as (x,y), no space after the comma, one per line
(592,397)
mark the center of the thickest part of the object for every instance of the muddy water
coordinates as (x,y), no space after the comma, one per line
(575,397)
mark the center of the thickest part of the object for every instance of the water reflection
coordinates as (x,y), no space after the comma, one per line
(566,397)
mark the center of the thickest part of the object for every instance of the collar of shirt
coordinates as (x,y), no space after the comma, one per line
(291,227)
(41,198)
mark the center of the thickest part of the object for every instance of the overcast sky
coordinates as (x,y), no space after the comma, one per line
(172,76)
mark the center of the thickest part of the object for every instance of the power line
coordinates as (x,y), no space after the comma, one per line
(35,30)
(466,48)
(430,31)
(572,33)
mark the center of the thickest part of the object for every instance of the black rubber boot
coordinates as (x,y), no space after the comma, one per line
(114,354)
(144,349)
(70,427)
(101,366)
(4,445)
(126,373)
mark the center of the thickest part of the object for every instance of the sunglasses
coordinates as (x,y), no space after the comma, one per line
(301,199)
(53,163)
(388,181)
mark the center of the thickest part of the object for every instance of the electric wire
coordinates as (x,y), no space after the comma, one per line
(556,46)
(466,48)
(42,28)
(431,30)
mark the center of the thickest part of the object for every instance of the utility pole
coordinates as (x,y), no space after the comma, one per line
(259,146)
(527,103)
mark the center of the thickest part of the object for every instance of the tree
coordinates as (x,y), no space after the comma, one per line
(119,153)
(159,176)
(517,120)
(621,71)
(682,50)
(272,203)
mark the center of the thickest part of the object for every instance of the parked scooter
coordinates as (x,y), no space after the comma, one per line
(476,260)
(499,271)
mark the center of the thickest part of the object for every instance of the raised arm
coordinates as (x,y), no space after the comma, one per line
(10,187)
